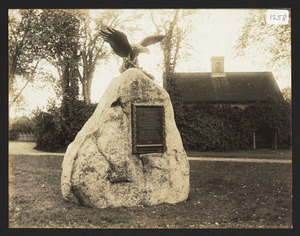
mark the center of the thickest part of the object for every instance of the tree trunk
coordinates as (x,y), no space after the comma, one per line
(87,88)
(86,92)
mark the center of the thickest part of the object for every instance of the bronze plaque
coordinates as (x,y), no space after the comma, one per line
(148,129)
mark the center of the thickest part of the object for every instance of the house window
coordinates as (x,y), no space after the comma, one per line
(218,67)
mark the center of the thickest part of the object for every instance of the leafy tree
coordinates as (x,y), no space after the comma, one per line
(271,43)
(59,35)
(91,50)
(92,47)
(287,94)
(170,23)
(66,39)
(23,50)
(42,34)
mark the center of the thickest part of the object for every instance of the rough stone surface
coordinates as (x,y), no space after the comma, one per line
(99,168)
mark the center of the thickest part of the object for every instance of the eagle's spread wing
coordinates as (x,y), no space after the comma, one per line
(117,40)
(152,40)
(141,47)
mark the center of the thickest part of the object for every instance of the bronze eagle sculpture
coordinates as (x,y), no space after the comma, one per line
(129,52)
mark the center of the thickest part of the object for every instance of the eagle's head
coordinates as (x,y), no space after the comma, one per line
(139,48)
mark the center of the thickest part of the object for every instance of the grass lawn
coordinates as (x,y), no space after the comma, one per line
(285,154)
(222,195)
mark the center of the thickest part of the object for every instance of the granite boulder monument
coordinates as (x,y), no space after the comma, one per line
(129,152)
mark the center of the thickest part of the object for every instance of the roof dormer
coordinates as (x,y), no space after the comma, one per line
(217,67)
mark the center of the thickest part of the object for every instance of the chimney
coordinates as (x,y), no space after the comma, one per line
(217,67)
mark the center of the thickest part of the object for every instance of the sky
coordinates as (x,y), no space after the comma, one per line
(216,36)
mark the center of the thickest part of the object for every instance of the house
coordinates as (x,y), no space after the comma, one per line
(235,88)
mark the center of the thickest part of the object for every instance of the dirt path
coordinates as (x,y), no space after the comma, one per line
(27,148)
(253,160)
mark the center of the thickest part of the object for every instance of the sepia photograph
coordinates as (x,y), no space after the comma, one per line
(150,118)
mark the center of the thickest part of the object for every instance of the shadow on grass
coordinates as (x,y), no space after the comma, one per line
(222,195)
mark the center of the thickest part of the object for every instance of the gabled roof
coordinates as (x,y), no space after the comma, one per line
(235,87)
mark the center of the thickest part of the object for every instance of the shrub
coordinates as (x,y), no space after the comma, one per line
(57,127)
(48,131)
(74,114)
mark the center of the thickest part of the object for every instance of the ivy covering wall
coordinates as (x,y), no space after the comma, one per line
(210,127)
